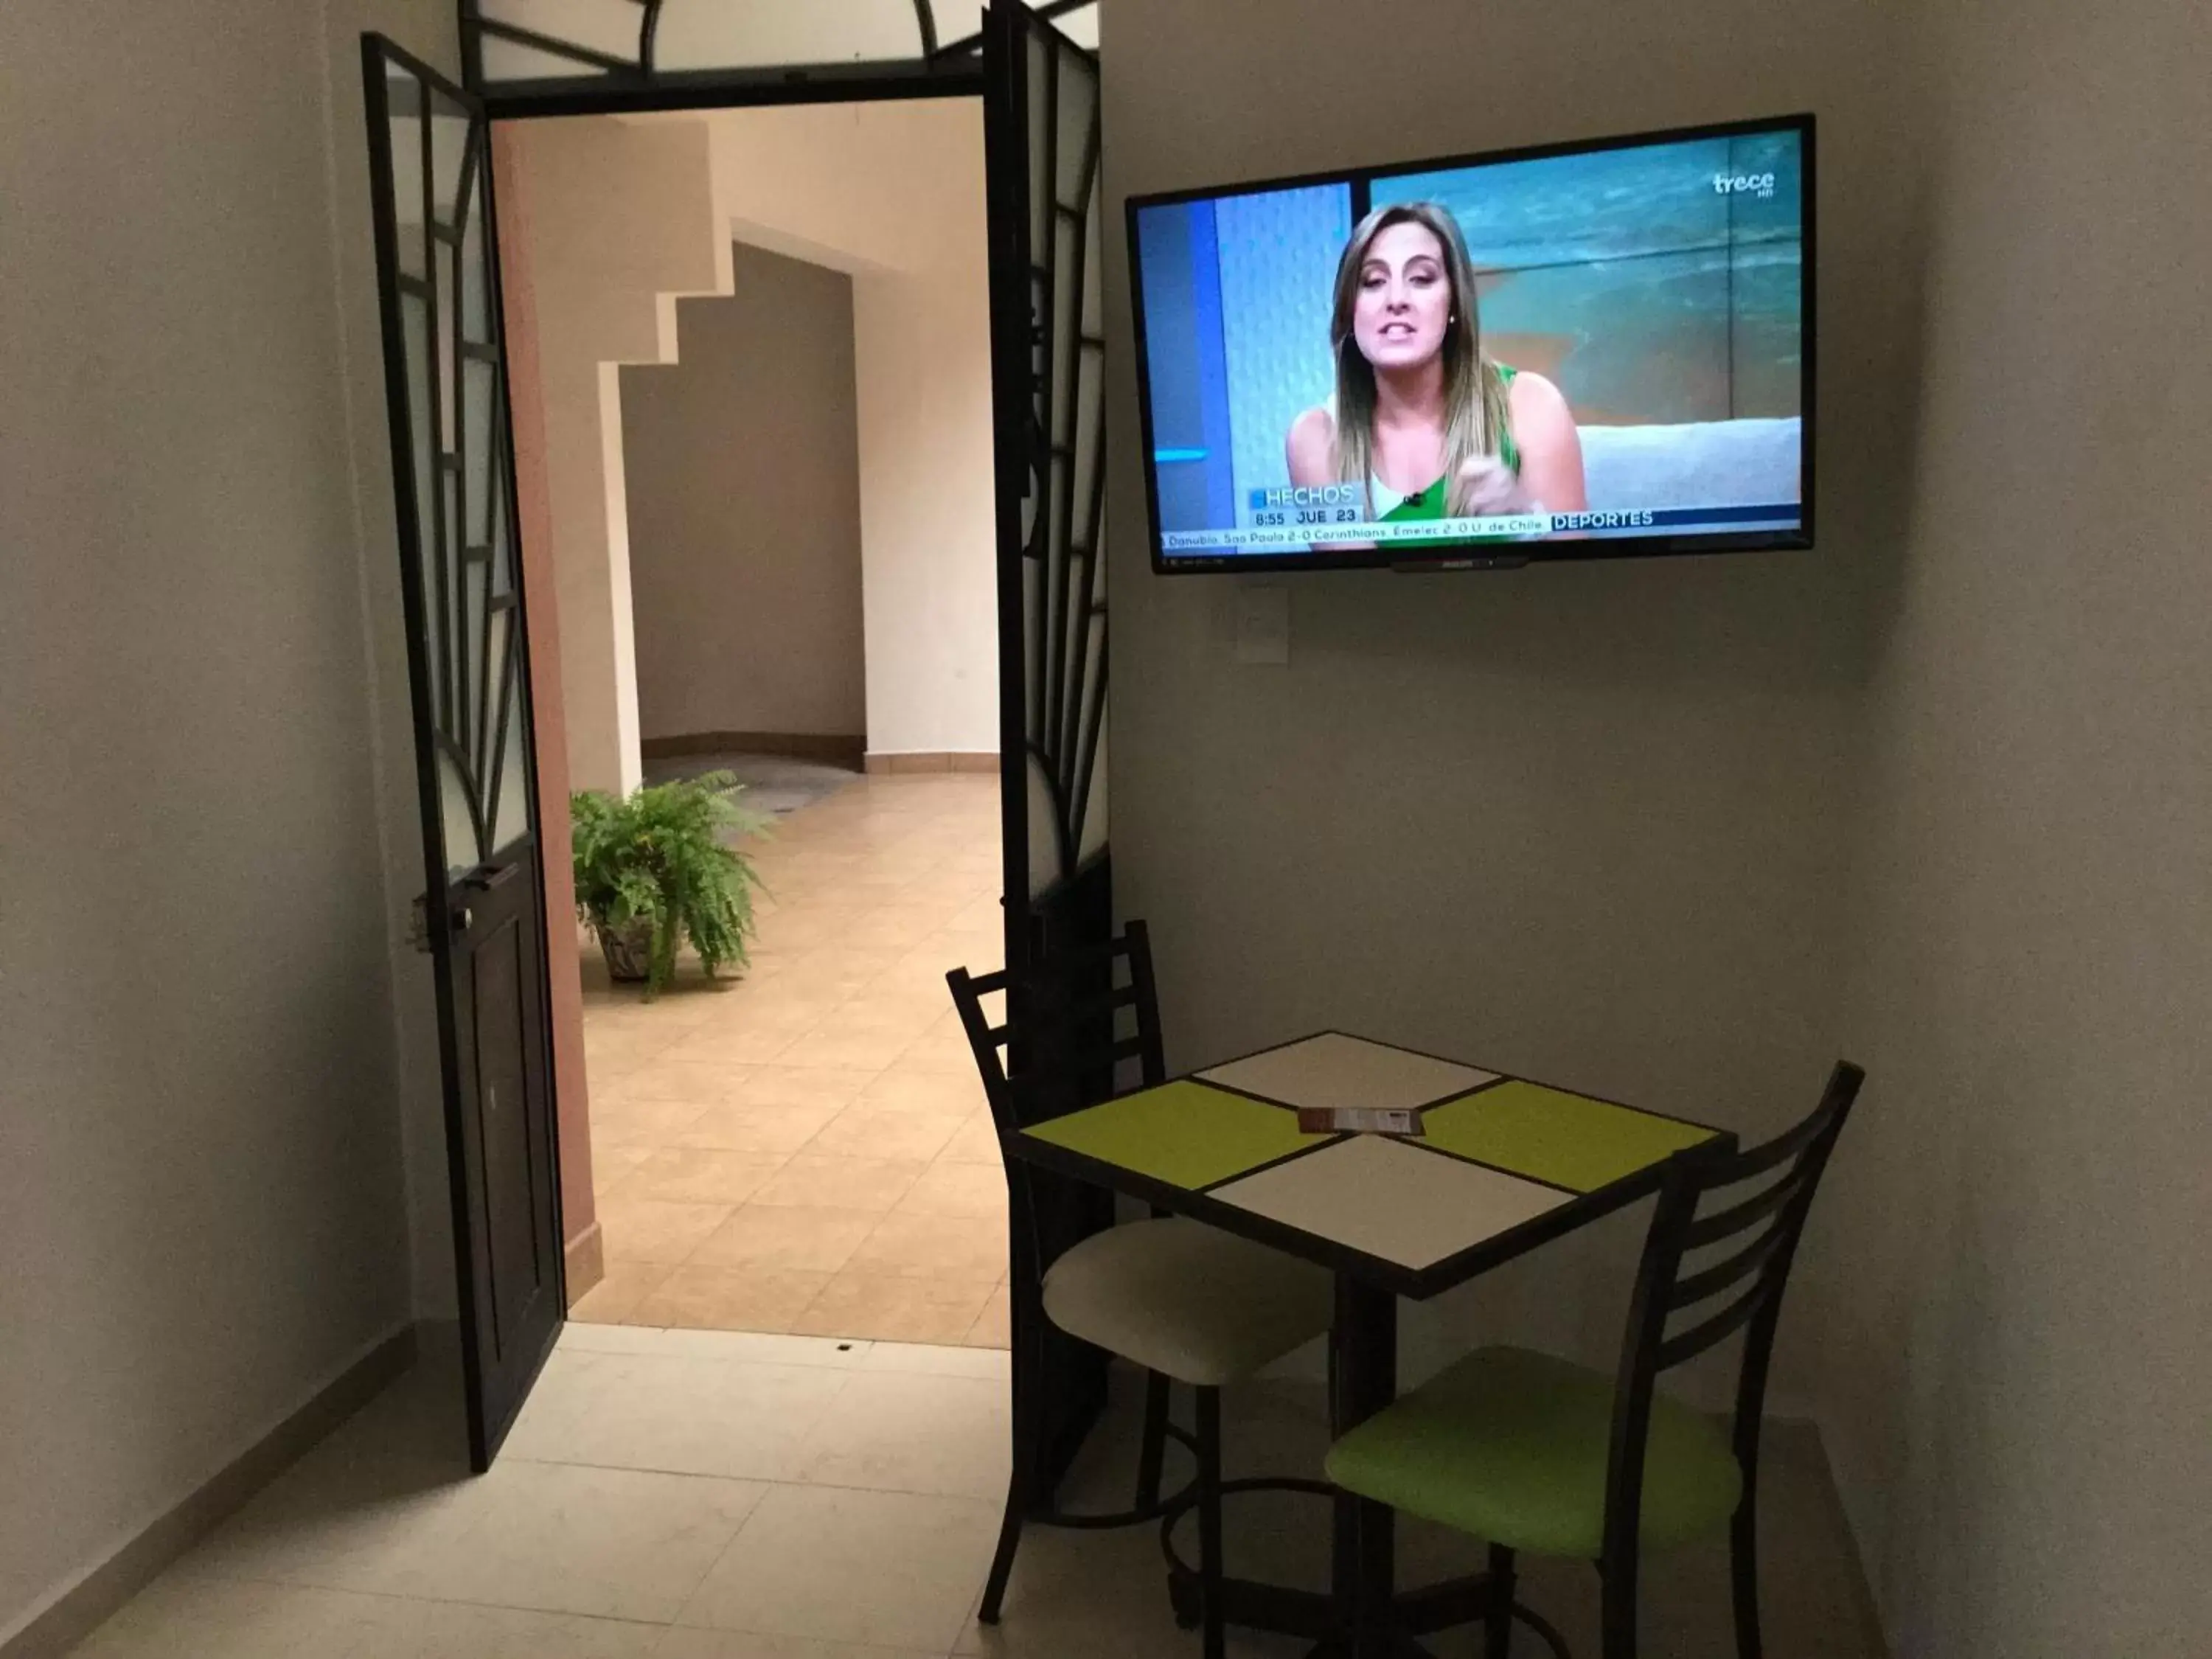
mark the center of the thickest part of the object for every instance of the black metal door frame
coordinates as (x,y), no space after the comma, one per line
(1079,907)
(485,915)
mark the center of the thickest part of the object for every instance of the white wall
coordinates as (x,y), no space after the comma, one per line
(619,222)
(202,1192)
(2011,1265)
(1585,823)
(742,461)
(893,192)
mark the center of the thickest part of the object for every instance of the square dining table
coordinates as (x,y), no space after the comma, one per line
(1502,1165)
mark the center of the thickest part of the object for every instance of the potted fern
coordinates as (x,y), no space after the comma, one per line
(657,869)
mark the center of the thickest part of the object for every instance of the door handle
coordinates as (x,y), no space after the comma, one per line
(458,916)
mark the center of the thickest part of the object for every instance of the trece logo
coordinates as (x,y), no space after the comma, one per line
(1760,184)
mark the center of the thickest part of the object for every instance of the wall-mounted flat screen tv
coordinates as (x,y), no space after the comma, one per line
(1580,351)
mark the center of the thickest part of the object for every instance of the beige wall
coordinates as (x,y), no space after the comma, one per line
(620,217)
(2011,1264)
(1583,822)
(203,1211)
(893,193)
(744,482)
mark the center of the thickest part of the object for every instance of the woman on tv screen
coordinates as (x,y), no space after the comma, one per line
(1421,418)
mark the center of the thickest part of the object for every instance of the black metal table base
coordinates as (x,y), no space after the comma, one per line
(1284,1610)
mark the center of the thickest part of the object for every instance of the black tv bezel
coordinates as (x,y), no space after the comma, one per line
(1515,555)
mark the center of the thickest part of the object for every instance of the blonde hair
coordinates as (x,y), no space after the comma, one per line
(1476,421)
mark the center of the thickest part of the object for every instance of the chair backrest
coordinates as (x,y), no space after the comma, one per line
(1060,1044)
(1741,1214)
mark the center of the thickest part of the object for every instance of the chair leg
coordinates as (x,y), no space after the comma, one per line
(1209,1523)
(1498,1623)
(1021,1495)
(1153,1449)
(1743,1571)
(1617,1613)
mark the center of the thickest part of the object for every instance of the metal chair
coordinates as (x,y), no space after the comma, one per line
(1183,1301)
(1531,1452)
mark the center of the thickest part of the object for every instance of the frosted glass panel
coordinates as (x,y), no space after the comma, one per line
(516,779)
(707,34)
(454,802)
(1093,832)
(754,33)
(479,410)
(449,150)
(505,60)
(406,141)
(1045,868)
(605,26)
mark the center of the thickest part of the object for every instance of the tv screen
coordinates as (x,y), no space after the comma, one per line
(1574,352)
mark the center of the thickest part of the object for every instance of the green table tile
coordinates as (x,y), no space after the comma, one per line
(1569,1140)
(1184,1133)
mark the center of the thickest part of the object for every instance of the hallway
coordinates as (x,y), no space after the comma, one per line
(805,1149)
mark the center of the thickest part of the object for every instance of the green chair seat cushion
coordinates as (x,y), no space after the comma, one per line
(1511,1446)
(1187,1300)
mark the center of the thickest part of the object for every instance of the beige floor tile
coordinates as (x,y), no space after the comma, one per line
(611,1162)
(896,1570)
(841,1183)
(911,1089)
(804,1086)
(905,1246)
(653,1230)
(749,1129)
(975,1141)
(681,1413)
(731,1298)
(836,972)
(847,1048)
(745,1645)
(866,1130)
(936,1360)
(711,1083)
(968,1189)
(994,1327)
(893,1010)
(801,1237)
(616,1298)
(563,1538)
(908,1432)
(736,1044)
(621,1121)
(942,1047)
(698,1174)
(883,1307)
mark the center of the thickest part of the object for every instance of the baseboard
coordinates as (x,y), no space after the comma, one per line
(880,761)
(586,1256)
(79,1609)
(829,748)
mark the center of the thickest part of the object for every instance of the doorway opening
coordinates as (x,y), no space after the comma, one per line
(753,356)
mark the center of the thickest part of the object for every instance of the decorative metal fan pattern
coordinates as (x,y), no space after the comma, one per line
(1063,573)
(454,411)
(510,42)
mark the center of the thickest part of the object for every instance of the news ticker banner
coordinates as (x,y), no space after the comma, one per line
(1317,524)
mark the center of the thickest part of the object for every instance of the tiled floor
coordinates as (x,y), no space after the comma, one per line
(805,1149)
(710,1495)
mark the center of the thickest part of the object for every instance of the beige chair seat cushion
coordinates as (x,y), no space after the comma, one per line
(1187,1300)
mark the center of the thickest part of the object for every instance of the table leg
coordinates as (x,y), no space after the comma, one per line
(1363,1352)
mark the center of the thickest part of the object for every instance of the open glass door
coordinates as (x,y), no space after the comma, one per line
(1040,135)
(483,914)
